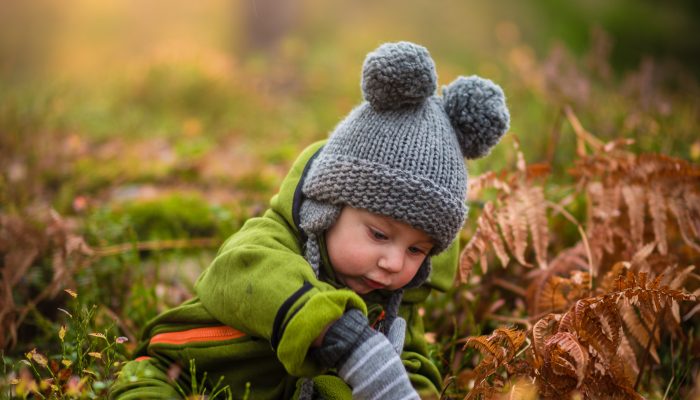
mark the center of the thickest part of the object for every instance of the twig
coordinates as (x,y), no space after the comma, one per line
(156,245)
(582,134)
(668,387)
(646,352)
(505,318)
(509,286)
(584,238)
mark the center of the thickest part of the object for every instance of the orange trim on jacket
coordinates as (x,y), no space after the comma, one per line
(207,334)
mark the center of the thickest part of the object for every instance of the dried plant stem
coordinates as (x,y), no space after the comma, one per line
(509,286)
(584,238)
(582,134)
(505,318)
(646,351)
(670,382)
(156,245)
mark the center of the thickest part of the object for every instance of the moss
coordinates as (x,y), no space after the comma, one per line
(178,215)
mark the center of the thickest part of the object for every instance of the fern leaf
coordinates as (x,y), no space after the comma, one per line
(685,225)
(692,205)
(490,230)
(542,330)
(675,311)
(536,213)
(637,329)
(590,330)
(657,209)
(551,296)
(610,320)
(471,253)
(513,338)
(513,223)
(680,277)
(634,199)
(629,360)
(484,346)
(568,356)
(639,258)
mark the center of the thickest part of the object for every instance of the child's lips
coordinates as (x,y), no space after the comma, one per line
(373,284)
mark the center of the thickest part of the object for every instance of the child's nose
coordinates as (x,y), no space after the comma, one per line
(392,261)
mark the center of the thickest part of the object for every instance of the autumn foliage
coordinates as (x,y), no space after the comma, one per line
(599,309)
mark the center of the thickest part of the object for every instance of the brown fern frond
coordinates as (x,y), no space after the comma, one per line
(552,293)
(567,356)
(513,223)
(692,205)
(639,259)
(590,329)
(605,210)
(637,329)
(609,281)
(485,346)
(499,350)
(635,199)
(490,230)
(657,209)
(533,201)
(678,278)
(685,225)
(629,359)
(486,181)
(472,253)
(511,339)
(571,261)
(609,318)
(541,331)
(551,296)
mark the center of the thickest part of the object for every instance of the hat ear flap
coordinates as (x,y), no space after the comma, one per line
(478,112)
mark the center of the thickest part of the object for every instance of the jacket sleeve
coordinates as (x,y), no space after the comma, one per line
(260,284)
(424,374)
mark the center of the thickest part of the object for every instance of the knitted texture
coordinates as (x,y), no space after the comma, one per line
(386,87)
(401,152)
(368,361)
(340,338)
(375,371)
(475,105)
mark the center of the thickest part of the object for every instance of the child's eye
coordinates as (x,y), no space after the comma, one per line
(378,235)
(416,250)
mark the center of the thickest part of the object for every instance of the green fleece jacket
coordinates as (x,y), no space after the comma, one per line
(260,285)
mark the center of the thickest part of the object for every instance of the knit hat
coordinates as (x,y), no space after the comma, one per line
(400,152)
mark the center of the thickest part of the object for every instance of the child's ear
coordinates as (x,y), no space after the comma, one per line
(478,112)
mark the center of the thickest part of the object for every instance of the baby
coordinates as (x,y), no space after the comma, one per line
(319,297)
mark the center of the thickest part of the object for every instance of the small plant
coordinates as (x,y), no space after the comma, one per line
(84,367)
(199,391)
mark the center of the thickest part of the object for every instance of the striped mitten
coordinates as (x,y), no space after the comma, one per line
(365,359)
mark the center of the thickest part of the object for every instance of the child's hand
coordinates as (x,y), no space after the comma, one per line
(365,359)
(397,334)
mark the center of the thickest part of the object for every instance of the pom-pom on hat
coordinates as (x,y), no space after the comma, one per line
(400,153)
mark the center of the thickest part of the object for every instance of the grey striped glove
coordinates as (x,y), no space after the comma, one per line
(397,334)
(365,359)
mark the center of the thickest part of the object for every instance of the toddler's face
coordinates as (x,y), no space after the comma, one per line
(369,251)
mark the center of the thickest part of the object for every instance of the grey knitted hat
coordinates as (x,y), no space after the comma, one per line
(401,152)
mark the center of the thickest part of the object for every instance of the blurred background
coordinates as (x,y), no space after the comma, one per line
(132,126)
(167,119)
(225,93)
